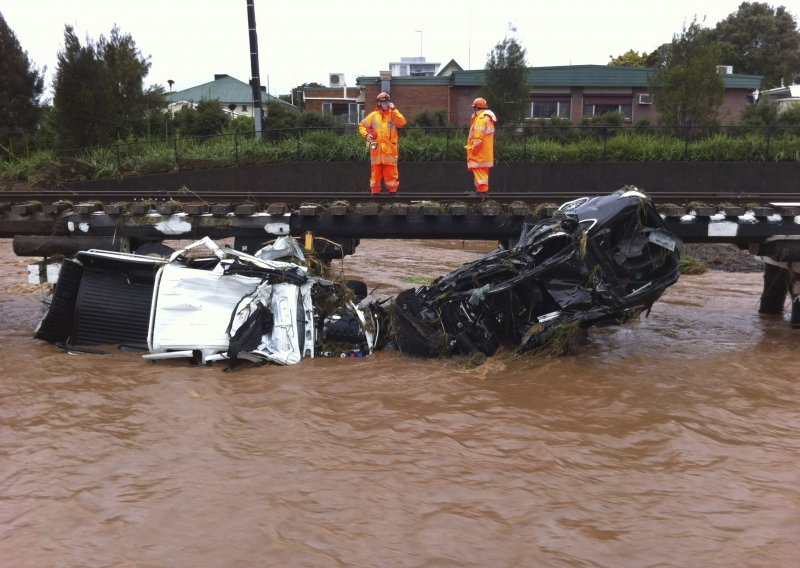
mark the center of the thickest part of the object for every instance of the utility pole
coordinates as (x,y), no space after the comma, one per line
(255,81)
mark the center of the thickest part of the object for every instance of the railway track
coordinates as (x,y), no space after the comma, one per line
(294,199)
(53,221)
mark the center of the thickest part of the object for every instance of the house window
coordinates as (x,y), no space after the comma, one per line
(346,112)
(542,110)
(596,109)
(244,108)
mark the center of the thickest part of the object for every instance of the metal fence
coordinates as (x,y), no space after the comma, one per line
(230,145)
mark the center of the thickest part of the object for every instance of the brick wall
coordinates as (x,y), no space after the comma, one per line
(410,100)
(733,105)
(461,104)
(457,102)
(643,112)
(576,105)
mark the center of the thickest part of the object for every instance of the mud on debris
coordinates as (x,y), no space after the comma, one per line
(724,257)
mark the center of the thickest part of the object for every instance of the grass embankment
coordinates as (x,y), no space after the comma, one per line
(50,167)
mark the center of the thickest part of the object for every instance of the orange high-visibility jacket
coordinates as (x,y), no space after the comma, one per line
(480,144)
(385,125)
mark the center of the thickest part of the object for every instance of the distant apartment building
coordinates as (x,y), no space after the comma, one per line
(413,67)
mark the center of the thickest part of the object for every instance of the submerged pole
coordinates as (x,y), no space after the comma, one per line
(776,286)
(255,80)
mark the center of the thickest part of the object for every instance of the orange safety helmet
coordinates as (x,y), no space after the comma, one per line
(383,97)
(480,103)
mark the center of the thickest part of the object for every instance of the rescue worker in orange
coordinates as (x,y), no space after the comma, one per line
(379,129)
(480,144)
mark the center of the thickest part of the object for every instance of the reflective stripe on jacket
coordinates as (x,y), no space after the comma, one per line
(480,144)
(385,125)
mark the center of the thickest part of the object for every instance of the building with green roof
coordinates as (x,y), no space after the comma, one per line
(235,96)
(573,92)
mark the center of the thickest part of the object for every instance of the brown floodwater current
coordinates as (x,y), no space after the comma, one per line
(674,441)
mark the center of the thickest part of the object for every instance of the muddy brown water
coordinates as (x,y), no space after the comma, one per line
(671,442)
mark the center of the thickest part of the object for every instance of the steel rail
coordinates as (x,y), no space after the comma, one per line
(298,198)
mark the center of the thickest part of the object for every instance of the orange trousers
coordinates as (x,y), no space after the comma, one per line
(387,173)
(481,179)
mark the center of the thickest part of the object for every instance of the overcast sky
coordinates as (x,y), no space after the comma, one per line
(305,40)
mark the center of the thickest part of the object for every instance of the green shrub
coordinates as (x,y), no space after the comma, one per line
(541,143)
(790,116)
(429,118)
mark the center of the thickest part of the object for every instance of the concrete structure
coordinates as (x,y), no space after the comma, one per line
(413,67)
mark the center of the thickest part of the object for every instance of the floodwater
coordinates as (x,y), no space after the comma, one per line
(672,442)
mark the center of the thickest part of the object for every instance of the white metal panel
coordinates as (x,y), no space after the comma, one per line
(192,308)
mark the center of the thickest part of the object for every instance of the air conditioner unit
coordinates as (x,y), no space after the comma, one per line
(645,99)
(336,79)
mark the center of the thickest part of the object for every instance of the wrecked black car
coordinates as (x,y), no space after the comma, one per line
(597,261)
(600,260)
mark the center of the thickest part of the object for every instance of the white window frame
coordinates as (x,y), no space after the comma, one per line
(560,107)
(619,110)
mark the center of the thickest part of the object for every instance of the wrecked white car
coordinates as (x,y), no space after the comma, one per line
(224,305)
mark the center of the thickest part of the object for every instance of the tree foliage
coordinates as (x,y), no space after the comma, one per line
(430,118)
(206,118)
(98,94)
(790,116)
(126,69)
(630,58)
(758,39)
(20,88)
(81,95)
(506,88)
(280,116)
(686,85)
(762,114)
